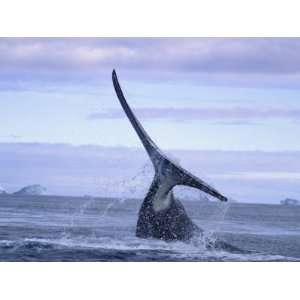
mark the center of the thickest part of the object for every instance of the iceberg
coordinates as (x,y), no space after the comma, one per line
(2,191)
(289,201)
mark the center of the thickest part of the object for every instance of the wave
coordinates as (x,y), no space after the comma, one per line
(107,249)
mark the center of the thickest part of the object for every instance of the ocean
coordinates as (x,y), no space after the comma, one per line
(56,228)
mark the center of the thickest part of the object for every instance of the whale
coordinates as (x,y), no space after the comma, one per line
(161,215)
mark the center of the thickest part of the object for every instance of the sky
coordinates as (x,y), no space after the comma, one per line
(217,99)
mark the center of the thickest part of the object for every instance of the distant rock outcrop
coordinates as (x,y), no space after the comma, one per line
(289,201)
(2,191)
(33,190)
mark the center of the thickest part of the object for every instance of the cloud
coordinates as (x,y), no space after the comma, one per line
(240,60)
(229,116)
(260,176)
(201,54)
(11,136)
(118,171)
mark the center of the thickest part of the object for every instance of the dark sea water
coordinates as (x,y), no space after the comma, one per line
(50,228)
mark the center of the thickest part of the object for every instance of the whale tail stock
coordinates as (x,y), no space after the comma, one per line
(165,168)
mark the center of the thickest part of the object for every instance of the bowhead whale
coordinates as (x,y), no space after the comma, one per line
(161,215)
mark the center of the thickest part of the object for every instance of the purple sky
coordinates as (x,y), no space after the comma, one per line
(258,59)
(195,94)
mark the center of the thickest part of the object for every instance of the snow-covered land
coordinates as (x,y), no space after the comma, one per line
(35,189)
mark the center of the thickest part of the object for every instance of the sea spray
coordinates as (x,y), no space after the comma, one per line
(214,219)
(132,187)
(210,236)
(126,188)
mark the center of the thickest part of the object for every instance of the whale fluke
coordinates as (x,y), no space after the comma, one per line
(160,161)
(161,215)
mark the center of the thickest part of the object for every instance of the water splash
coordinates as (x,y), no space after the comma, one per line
(134,185)
(218,218)
(127,188)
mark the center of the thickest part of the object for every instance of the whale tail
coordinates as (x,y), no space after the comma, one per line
(165,168)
